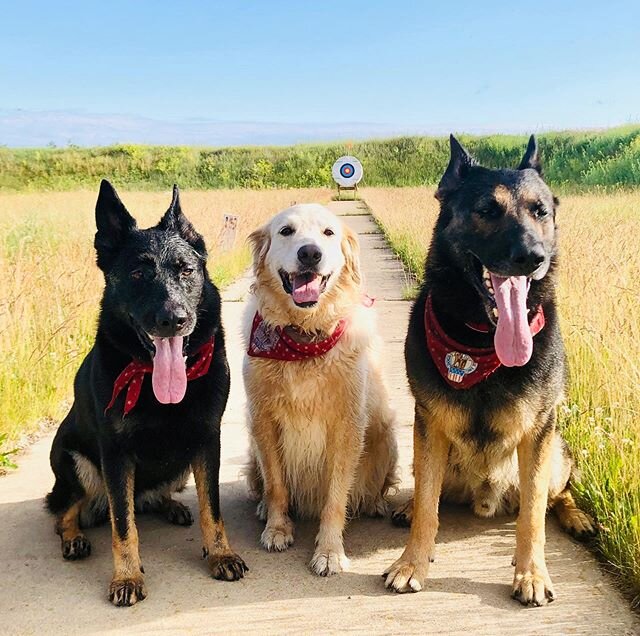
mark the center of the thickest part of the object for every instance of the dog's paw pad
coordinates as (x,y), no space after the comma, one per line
(277,538)
(328,562)
(226,567)
(126,592)
(77,548)
(405,576)
(533,588)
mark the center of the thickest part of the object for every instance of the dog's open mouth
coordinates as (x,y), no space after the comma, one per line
(169,375)
(304,287)
(148,340)
(505,297)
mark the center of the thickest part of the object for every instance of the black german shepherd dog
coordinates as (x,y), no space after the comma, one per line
(129,441)
(486,366)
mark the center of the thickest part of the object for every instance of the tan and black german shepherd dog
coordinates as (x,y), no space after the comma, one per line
(486,366)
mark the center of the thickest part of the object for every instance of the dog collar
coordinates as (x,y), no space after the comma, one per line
(133,375)
(462,366)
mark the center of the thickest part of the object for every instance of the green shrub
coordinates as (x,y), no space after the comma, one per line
(573,161)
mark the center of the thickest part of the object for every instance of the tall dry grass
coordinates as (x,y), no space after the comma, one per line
(51,285)
(599,298)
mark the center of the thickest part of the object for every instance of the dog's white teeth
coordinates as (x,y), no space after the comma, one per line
(489,286)
(485,274)
(495,312)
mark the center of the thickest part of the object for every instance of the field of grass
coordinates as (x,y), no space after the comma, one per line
(51,285)
(577,161)
(600,307)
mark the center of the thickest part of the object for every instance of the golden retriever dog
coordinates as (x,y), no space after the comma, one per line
(322,438)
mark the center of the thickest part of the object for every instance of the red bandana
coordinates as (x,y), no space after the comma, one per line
(275,343)
(133,375)
(461,366)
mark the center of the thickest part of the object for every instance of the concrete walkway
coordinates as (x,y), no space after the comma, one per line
(469,585)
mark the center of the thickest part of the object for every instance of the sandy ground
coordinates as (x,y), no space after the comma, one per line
(469,585)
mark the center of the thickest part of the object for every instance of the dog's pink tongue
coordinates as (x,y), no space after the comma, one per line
(306,288)
(513,339)
(169,375)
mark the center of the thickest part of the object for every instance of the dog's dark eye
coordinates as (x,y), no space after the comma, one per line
(187,271)
(539,212)
(287,230)
(137,274)
(490,211)
(328,232)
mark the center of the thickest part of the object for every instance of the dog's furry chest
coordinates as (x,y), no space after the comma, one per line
(304,385)
(307,400)
(482,439)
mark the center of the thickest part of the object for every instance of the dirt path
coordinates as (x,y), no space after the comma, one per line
(468,590)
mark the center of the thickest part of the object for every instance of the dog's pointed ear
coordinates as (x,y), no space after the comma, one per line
(351,253)
(531,157)
(459,165)
(113,223)
(260,242)
(174,220)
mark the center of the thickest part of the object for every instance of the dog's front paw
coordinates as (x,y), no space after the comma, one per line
(128,591)
(178,514)
(226,567)
(277,537)
(326,562)
(532,586)
(406,575)
(77,548)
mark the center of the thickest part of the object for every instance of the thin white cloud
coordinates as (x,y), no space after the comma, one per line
(27,128)
(22,128)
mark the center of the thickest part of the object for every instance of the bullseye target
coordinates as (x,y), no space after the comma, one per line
(347,171)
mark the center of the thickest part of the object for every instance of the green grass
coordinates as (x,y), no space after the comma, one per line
(5,455)
(573,161)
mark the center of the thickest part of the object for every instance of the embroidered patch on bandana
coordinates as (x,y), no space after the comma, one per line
(458,365)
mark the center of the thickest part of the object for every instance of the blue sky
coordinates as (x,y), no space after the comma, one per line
(278,72)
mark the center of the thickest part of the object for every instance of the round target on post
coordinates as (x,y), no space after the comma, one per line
(347,171)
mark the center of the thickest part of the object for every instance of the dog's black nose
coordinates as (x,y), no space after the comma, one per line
(309,255)
(527,258)
(168,321)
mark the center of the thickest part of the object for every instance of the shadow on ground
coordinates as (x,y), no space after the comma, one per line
(177,579)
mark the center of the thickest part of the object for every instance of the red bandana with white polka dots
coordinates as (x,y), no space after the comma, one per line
(133,375)
(275,343)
